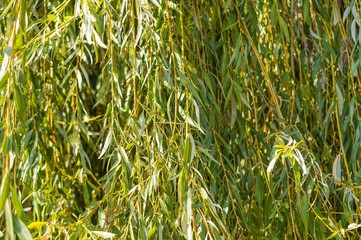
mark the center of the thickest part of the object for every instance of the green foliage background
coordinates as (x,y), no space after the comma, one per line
(158,119)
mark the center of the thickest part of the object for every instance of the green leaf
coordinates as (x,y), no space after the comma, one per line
(5,189)
(334,234)
(340,100)
(304,210)
(142,123)
(16,202)
(151,232)
(21,230)
(306,11)
(259,190)
(204,194)
(336,169)
(274,14)
(347,12)
(36,225)
(4,80)
(7,8)
(284,29)
(20,101)
(23,15)
(143,230)
(189,149)
(354,31)
(182,187)
(106,144)
(86,76)
(10,235)
(189,120)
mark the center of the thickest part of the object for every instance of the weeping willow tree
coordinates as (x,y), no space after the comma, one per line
(159,119)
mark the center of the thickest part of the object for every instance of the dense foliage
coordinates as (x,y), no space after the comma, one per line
(159,119)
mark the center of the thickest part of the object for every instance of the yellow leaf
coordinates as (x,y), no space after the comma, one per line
(34,225)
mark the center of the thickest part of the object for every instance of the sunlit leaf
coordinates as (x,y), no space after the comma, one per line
(10,233)
(106,144)
(5,189)
(35,225)
(336,169)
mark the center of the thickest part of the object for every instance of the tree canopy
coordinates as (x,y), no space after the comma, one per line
(159,119)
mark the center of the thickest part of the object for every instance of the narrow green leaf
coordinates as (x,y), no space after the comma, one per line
(4,81)
(85,74)
(69,58)
(142,123)
(106,144)
(80,79)
(10,235)
(354,31)
(316,68)
(20,101)
(86,195)
(156,3)
(5,189)
(304,210)
(240,94)
(204,193)
(274,14)
(126,159)
(336,169)
(233,111)
(182,187)
(21,230)
(188,215)
(23,15)
(151,232)
(259,190)
(334,234)
(27,138)
(189,120)
(306,11)
(189,149)
(16,202)
(143,230)
(284,29)
(7,8)
(340,100)
(236,51)
(196,109)
(347,12)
